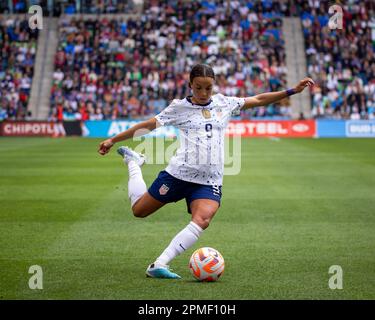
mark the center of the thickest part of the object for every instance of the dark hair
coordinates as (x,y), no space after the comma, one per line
(201,70)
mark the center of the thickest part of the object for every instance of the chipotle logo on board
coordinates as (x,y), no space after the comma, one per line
(38,128)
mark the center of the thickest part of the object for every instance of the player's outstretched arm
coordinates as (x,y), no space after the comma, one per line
(264,99)
(139,129)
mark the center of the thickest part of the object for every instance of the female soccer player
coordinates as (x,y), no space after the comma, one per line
(195,172)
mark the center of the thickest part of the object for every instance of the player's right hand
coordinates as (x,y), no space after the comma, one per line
(105,146)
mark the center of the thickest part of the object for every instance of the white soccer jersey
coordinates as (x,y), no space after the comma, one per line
(200,156)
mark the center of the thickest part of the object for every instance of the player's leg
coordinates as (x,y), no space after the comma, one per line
(142,203)
(146,205)
(203,202)
(202,211)
(136,185)
(181,242)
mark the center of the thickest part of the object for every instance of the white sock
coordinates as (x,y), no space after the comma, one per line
(136,186)
(181,242)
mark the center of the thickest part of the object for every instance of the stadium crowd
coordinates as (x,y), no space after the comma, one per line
(59,7)
(341,61)
(111,68)
(17,57)
(118,69)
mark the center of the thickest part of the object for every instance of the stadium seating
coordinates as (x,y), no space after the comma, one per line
(17,58)
(71,6)
(110,67)
(341,61)
(121,69)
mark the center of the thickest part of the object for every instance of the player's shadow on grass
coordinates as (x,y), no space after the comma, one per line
(200,282)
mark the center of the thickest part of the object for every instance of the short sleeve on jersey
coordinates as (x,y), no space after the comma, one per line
(169,116)
(235,104)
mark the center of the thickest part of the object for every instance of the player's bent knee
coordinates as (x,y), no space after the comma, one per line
(202,222)
(139,212)
(205,224)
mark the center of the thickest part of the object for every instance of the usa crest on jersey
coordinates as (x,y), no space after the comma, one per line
(163,190)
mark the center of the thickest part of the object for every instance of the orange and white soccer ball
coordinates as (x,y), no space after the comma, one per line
(206,264)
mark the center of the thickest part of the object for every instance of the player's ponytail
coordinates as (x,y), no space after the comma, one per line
(201,70)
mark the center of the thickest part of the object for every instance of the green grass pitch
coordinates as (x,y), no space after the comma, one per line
(298,207)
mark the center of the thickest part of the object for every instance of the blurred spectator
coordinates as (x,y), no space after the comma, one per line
(107,6)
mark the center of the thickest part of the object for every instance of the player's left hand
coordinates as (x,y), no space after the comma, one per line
(306,82)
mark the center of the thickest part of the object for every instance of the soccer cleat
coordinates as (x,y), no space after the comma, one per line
(160,271)
(130,155)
